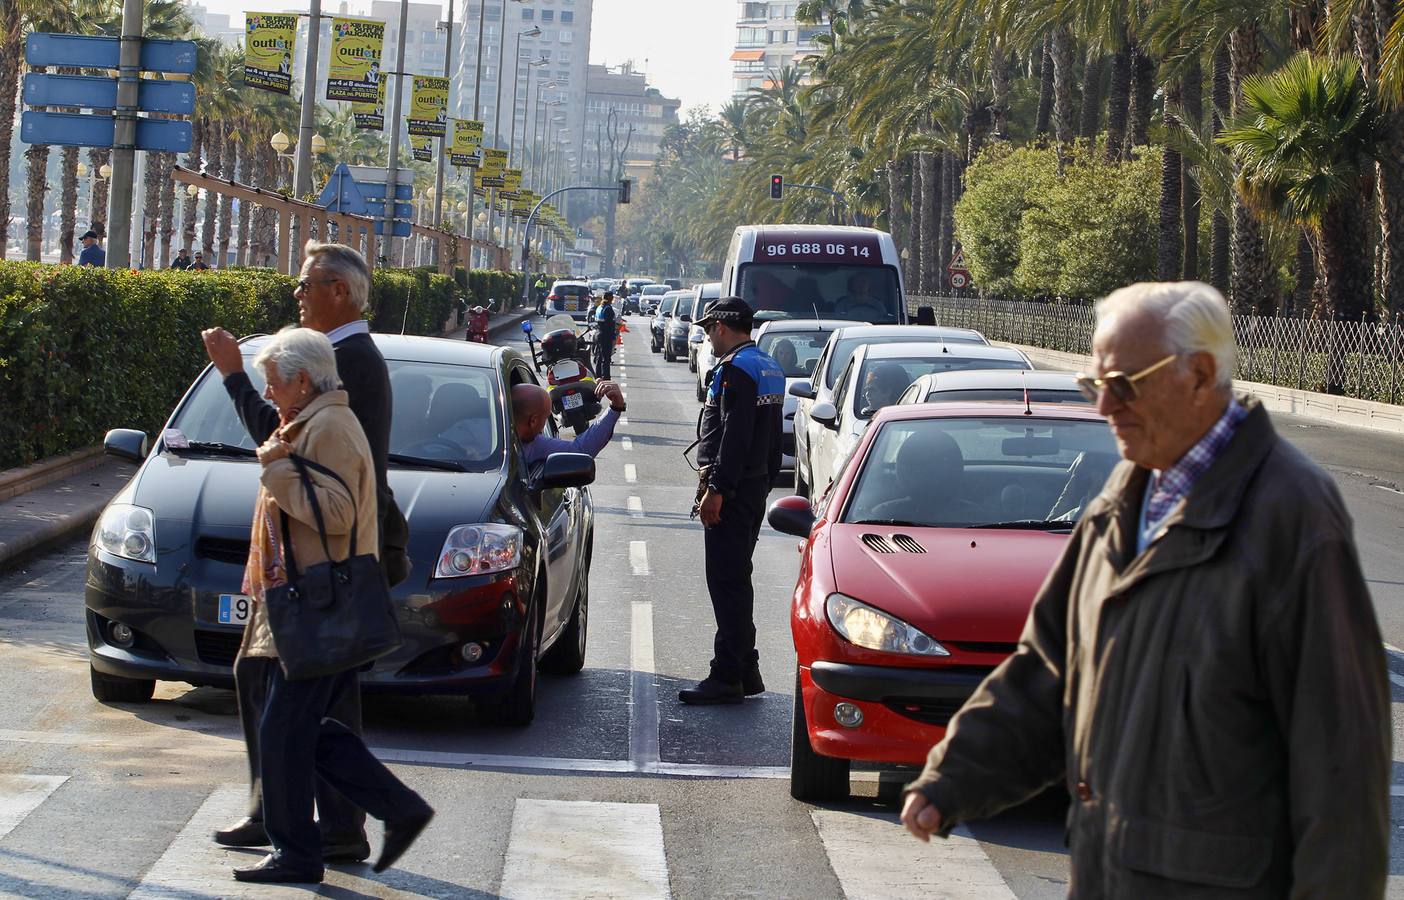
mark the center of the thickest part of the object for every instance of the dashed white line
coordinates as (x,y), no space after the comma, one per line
(567,849)
(643,689)
(638,558)
(20,795)
(872,858)
(623,420)
(636,507)
(626,444)
(631,473)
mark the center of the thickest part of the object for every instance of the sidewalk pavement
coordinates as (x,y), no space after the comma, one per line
(45,516)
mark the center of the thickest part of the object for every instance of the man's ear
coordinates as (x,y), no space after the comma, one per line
(1205,369)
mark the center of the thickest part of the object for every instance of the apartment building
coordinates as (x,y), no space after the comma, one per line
(226,29)
(768,37)
(634,103)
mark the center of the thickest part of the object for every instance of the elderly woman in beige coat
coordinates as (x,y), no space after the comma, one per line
(298,741)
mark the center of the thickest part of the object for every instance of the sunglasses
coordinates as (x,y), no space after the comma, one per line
(1121,385)
(303,283)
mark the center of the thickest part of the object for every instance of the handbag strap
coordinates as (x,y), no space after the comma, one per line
(303,464)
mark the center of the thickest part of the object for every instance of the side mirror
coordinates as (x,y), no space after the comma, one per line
(126,443)
(791,515)
(926,316)
(564,470)
(803,390)
(685,318)
(825,414)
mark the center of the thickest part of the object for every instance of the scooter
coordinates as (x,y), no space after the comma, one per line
(564,358)
(477,325)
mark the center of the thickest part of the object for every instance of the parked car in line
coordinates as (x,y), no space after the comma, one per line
(696,337)
(569,298)
(678,324)
(657,326)
(599,285)
(918,571)
(875,376)
(841,345)
(651,294)
(500,554)
(797,345)
(976,385)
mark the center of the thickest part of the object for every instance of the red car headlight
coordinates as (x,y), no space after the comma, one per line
(873,629)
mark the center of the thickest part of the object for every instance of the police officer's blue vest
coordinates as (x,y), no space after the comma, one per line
(763,370)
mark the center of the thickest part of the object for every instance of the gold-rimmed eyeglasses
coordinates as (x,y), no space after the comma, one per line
(1121,385)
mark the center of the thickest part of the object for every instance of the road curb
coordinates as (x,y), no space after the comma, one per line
(49,533)
(22,479)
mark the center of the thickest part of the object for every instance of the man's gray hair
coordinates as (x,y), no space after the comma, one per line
(345,263)
(295,350)
(1194,315)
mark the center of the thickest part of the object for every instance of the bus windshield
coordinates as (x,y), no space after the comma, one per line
(801,290)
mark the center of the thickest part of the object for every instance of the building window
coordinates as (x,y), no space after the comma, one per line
(750,37)
(567,17)
(548,15)
(494,13)
(563,56)
(567,36)
(528,14)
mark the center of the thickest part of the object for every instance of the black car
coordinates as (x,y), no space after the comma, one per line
(500,554)
(658,325)
(676,326)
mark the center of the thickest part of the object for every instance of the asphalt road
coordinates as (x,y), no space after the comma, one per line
(615,791)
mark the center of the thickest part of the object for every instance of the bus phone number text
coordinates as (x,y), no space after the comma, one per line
(821,251)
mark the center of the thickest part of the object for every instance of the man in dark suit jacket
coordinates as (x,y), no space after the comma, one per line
(332,295)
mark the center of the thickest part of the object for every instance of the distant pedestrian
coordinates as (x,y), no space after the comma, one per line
(300,738)
(182,259)
(738,452)
(1202,667)
(199,262)
(93,254)
(540,289)
(606,320)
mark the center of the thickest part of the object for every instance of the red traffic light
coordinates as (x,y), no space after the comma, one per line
(777,186)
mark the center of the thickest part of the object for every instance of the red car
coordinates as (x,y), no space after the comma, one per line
(919,568)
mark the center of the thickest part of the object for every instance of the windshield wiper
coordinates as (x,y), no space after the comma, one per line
(1030,525)
(422,462)
(900,523)
(213,447)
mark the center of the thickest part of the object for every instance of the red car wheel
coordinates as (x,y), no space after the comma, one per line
(812,777)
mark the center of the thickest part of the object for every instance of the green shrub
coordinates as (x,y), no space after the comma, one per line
(988,215)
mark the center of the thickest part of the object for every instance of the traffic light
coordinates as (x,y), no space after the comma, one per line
(624,191)
(777,186)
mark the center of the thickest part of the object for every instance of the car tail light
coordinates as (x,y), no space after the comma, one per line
(553,297)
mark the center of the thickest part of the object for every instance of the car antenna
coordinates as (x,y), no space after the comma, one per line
(1028,410)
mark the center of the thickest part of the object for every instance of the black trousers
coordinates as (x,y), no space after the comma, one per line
(604,354)
(341,821)
(301,741)
(730,545)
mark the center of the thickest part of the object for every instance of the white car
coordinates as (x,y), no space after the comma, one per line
(797,345)
(841,345)
(994,384)
(569,298)
(874,377)
(696,337)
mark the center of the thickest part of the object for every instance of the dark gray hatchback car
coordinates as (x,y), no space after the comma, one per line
(500,554)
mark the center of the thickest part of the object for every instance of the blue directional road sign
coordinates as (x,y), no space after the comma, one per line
(342,194)
(93,52)
(74,130)
(376,209)
(402,229)
(88,92)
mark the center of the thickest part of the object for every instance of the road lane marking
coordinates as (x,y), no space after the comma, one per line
(636,507)
(631,473)
(563,849)
(1391,489)
(638,557)
(643,689)
(191,862)
(20,795)
(1397,679)
(626,444)
(876,858)
(623,420)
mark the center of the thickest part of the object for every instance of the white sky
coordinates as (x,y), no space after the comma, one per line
(684,46)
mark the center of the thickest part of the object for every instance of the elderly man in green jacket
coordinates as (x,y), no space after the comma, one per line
(1202,667)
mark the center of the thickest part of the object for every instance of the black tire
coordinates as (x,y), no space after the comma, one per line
(668,352)
(692,362)
(517,707)
(801,486)
(567,655)
(654,346)
(813,777)
(115,689)
(701,392)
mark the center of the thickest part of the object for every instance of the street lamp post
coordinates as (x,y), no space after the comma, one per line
(539,124)
(444,141)
(533,31)
(535,109)
(507,225)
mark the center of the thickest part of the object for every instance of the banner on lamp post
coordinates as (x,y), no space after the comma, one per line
(467,139)
(371,115)
(428,112)
(353,73)
(270,42)
(494,163)
(421,148)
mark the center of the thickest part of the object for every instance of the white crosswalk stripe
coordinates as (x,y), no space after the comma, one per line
(193,865)
(875,859)
(20,795)
(561,850)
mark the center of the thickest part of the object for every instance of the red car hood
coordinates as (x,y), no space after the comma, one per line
(969,585)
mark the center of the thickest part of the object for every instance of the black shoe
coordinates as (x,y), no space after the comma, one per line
(247,833)
(353,851)
(399,837)
(751,683)
(711,692)
(272,870)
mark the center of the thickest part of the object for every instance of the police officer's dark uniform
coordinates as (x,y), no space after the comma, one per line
(738,451)
(606,329)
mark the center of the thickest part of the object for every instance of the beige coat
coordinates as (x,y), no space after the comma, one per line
(1217,705)
(326,432)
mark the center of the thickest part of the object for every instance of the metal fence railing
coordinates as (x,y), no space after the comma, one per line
(1355,359)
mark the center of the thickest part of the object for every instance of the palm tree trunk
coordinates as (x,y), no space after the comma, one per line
(68,202)
(999,91)
(1220,236)
(1250,281)
(268,217)
(1091,120)
(1390,187)
(1118,100)
(1192,109)
(1143,71)
(1045,87)
(245,238)
(226,211)
(168,202)
(1170,235)
(1305,273)
(1062,85)
(192,162)
(1342,285)
(214,167)
(920,236)
(151,207)
(950,193)
(97,196)
(931,171)
(37,183)
(897,218)
(11,49)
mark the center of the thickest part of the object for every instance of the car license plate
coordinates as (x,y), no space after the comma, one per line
(572,306)
(572,401)
(234,609)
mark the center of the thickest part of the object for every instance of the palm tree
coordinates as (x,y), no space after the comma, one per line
(11,48)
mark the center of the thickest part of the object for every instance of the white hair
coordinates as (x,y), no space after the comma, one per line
(347,264)
(295,350)
(1194,318)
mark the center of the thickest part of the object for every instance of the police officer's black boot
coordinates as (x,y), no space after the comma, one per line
(712,691)
(751,682)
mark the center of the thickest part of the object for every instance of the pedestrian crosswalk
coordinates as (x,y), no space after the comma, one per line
(554,849)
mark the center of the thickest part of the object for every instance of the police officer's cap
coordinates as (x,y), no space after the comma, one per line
(731,311)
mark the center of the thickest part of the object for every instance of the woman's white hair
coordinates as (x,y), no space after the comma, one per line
(347,264)
(295,350)
(1193,315)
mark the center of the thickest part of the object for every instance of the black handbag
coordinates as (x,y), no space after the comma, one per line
(333,616)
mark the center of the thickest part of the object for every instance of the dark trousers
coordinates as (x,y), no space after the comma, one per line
(730,544)
(301,741)
(604,354)
(341,821)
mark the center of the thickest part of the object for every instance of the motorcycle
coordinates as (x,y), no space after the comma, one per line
(563,355)
(477,325)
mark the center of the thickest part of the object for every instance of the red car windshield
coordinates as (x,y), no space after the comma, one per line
(996,472)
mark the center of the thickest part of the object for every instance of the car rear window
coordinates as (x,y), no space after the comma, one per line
(1036,395)
(797,352)
(571,290)
(666,306)
(684,306)
(441,412)
(843,350)
(882,381)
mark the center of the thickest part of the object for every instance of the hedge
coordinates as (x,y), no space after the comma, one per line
(83,350)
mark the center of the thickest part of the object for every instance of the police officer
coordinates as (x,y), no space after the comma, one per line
(606,328)
(738,450)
